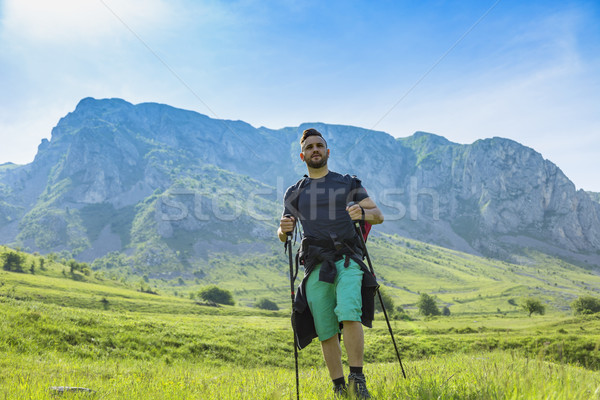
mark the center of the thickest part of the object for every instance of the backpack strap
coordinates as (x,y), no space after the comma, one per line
(298,186)
(364,225)
(293,202)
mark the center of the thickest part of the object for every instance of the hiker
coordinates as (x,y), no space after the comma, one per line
(337,292)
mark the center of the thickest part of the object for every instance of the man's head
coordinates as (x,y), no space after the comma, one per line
(308,133)
(314,149)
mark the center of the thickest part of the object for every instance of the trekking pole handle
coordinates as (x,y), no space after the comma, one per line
(291,217)
(361,209)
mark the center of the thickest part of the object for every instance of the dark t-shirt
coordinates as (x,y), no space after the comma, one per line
(322,205)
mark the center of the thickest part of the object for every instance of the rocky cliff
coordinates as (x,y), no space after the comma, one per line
(166,186)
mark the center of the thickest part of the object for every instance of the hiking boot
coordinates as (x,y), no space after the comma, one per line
(357,385)
(340,391)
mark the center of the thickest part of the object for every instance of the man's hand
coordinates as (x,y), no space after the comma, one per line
(356,212)
(286,225)
(366,210)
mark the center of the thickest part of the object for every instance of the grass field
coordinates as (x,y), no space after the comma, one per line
(497,375)
(93,332)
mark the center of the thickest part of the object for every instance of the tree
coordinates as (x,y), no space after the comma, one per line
(73,266)
(12,261)
(427,305)
(446,311)
(216,295)
(534,306)
(388,302)
(52,257)
(586,305)
(266,304)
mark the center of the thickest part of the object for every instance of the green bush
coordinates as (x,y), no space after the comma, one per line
(534,306)
(427,305)
(586,305)
(216,295)
(388,302)
(266,304)
(12,261)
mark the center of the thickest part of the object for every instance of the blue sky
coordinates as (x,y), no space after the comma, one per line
(527,70)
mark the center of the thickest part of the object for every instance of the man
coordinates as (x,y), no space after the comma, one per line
(337,286)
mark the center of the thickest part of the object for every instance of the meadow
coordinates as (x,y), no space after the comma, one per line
(495,375)
(465,283)
(57,332)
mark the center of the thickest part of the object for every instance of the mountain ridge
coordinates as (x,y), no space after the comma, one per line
(134,164)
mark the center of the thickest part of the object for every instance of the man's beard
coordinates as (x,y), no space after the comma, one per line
(317,164)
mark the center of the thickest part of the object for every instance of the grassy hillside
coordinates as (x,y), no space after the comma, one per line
(466,284)
(64,329)
(55,332)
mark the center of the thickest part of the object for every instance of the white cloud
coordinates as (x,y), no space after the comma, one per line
(56,52)
(75,21)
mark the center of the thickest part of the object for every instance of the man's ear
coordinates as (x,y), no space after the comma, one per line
(302,156)
(327,152)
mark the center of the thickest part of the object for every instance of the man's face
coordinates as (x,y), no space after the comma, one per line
(314,152)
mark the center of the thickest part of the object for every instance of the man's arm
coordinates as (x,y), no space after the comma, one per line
(373,214)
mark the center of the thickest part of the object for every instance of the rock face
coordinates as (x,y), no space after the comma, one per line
(497,187)
(166,185)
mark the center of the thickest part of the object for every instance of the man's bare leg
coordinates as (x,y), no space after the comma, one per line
(354,342)
(355,345)
(332,353)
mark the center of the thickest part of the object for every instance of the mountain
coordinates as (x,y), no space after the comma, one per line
(165,189)
(594,196)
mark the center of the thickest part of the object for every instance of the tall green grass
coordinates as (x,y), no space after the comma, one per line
(482,376)
(28,327)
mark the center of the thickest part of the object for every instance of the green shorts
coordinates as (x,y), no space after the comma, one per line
(331,303)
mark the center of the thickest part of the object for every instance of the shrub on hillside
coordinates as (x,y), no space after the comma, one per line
(12,261)
(388,302)
(427,305)
(401,314)
(75,266)
(216,295)
(534,306)
(586,305)
(266,304)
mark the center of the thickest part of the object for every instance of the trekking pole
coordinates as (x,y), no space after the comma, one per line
(288,244)
(364,247)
